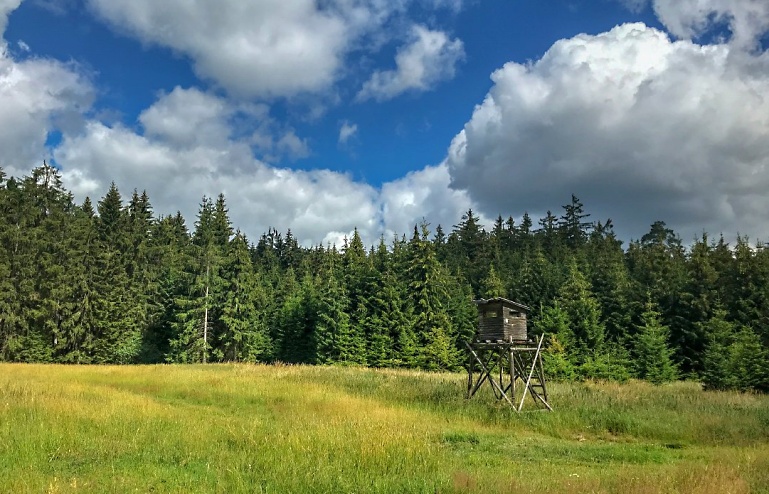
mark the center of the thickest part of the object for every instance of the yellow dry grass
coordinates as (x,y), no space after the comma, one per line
(256,428)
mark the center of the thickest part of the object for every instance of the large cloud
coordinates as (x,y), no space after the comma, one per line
(274,47)
(184,168)
(37,96)
(319,205)
(260,48)
(639,127)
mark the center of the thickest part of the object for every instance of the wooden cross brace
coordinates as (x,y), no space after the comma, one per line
(513,363)
(535,371)
(487,367)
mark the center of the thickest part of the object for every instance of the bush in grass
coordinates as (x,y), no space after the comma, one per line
(558,355)
(611,364)
(567,359)
(556,361)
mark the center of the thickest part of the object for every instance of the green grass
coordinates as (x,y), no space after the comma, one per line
(275,429)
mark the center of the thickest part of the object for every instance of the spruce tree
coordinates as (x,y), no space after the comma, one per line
(286,288)
(81,334)
(462,312)
(298,319)
(560,351)
(387,310)
(337,338)
(658,267)
(440,352)
(17,234)
(698,300)
(168,253)
(748,361)
(610,282)
(9,303)
(468,241)
(118,334)
(734,357)
(245,335)
(652,354)
(583,311)
(358,281)
(198,309)
(111,224)
(572,225)
(717,368)
(549,236)
(427,287)
(492,286)
(118,311)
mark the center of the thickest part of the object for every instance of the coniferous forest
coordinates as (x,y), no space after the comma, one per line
(113,283)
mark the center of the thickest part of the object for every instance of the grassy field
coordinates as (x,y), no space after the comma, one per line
(276,429)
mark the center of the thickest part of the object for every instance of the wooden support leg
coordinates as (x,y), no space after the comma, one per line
(486,373)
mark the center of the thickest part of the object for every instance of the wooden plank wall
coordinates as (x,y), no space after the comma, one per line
(506,323)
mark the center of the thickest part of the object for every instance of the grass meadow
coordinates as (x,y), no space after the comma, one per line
(294,429)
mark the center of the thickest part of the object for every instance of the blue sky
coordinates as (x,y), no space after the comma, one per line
(322,116)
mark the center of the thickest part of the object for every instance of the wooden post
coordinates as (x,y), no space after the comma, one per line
(470,369)
(542,376)
(512,370)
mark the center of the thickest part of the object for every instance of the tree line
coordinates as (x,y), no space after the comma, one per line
(113,283)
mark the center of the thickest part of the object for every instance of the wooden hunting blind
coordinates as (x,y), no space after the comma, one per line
(503,355)
(501,319)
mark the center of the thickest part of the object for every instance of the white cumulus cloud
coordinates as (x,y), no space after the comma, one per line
(184,168)
(346,131)
(638,126)
(423,194)
(269,47)
(266,48)
(6,7)
(37,96)
(429,58)
(186,116)
(746,20)
(319,206)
